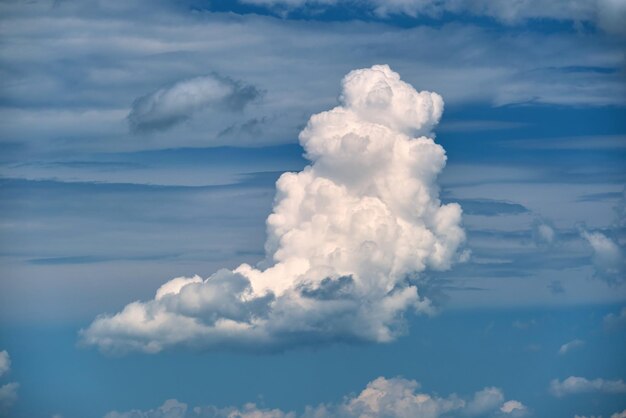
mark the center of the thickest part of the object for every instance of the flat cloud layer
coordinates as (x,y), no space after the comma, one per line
(605,14)
(347,238)
(382,397)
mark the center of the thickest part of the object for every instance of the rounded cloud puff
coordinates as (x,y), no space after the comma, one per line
(347,238)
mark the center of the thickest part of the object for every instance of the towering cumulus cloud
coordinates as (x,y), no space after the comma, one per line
(347,238)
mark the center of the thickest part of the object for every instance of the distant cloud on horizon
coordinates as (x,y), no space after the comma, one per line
(575,384)
(382,397)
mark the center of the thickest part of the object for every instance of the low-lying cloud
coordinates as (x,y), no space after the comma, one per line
(575,385)
(382,397)
(347,239)
(8,391)
(169,106)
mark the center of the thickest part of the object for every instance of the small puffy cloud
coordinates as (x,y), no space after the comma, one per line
(382,397)
(567,347)
(8,396)
(5,362)
(484,401)
(176,103)
(608,260)
(615,321)
(574,385)
(347,239)
(513,408)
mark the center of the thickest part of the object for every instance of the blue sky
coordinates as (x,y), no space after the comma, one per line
(142,142)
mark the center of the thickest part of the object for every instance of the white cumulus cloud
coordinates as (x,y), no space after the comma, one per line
(382,397)
(513,407)
(574,385)
(347,238)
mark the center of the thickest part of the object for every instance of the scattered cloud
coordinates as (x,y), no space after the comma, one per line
(382,397)
(347,238)
(5,362)
(169,106)
(485,401)
(8,396)
(574,385)
(513,408)
(608,260)
(8,392)
(567,347)
(619,414)
(615,321)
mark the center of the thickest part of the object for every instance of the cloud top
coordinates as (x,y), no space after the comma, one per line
(171,105)
(347,238)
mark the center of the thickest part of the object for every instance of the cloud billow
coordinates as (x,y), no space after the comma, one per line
(169,106)
(347,239)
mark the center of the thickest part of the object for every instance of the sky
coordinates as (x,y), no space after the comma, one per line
(312,208)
